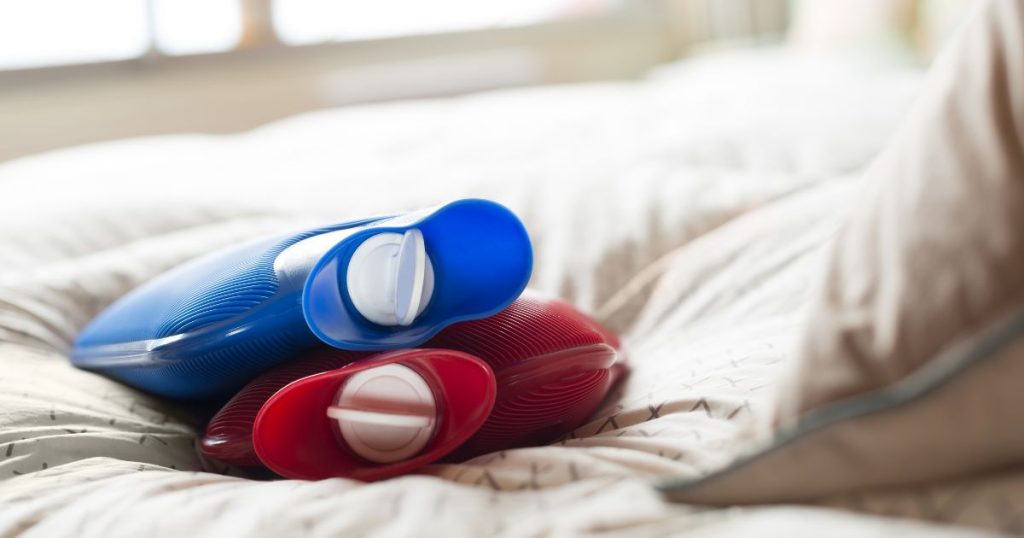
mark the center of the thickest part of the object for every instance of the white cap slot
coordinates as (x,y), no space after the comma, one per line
(385,414)
(380,418)
(390,278)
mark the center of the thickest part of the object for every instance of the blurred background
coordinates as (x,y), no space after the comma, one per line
(74,72)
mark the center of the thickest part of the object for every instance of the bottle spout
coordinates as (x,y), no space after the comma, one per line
(390,279)
(385,414)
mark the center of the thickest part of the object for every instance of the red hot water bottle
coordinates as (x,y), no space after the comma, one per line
(553,366)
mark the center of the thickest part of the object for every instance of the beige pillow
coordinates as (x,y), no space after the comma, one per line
(912,363)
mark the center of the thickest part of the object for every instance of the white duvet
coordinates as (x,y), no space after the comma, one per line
(688,211)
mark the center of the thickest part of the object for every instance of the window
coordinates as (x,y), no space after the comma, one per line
(39,33)
(311,21)
(196,26)
(36,33)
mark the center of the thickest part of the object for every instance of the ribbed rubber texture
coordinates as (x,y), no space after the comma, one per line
(229,292)
(200,300)
(540,416)
(529,327)
(219,369)
(228,436)
(198,294)
(533,327)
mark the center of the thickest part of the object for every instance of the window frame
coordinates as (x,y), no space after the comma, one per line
(259,41)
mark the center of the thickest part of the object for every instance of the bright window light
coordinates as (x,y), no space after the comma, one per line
(196,26)
(299,22)
(36,33)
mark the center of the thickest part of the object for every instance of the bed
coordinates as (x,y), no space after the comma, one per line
(689,211)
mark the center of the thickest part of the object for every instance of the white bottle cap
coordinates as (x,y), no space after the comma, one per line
(390,278)
(385,414)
